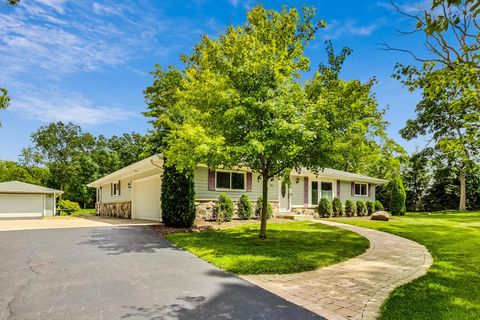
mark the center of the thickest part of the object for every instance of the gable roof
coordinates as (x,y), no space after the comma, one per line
(22,187)
(340,175)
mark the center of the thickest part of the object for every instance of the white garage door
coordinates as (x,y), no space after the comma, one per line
(21,205)
(146,199)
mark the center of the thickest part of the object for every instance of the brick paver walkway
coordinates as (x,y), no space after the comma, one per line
(356,288)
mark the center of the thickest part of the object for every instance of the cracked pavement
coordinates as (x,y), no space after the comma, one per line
(122,272)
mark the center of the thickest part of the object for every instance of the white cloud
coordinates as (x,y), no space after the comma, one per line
(336,29)
(234,3)
(408,7)
(66,106)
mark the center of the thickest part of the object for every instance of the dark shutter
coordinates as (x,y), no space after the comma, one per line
(119,192)
(353,188)
(338,188)
(369,191)
(111,189)
(249,181)
(211,180)
(305,191)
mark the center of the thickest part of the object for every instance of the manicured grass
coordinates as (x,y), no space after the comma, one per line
(290,247)
(85,212)
(451,288)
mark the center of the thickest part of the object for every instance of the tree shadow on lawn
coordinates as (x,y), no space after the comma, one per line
(304,247)
(119,239)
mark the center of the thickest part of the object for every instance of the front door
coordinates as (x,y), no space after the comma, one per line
(284,197)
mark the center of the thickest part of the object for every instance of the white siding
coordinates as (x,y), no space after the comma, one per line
(346,192)
(297,190)
(202,192)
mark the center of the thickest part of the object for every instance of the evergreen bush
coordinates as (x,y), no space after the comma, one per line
(361,208)
(245,207)
(258,208)
(378,206)
(397,196)
(337,207)
(67,207)
(350,208)
(370,207)
(325,208)
(223,209)
(178,198)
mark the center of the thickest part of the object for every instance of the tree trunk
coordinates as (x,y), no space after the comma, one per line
(463,191)
(263,226)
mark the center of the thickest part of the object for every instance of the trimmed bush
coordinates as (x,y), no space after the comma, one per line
(245,207)
(370,208)
(223,209)
(397,196)
(361,208)
(337,207)
(325,208)
(258,208)
(378,206)
(68,207)
(178,198)
(350,208)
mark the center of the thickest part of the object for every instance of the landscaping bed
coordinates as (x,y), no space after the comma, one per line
(290,247)
(451,288)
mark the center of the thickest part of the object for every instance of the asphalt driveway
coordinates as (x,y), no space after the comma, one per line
(121,272)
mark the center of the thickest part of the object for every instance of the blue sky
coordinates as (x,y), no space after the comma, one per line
(89,61)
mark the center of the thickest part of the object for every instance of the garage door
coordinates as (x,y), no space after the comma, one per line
(21,205)
(146,199)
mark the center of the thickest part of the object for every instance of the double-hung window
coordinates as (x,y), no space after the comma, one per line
(230,180)
(360,189)
(116,188)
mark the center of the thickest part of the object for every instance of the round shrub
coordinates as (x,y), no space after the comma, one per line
(350,208)
(258,208)
(67,207)
(370,207)
(245,207)
(337,207)
(378,206)
(397,196)
(178,198)
(361,208)
(223,209)
(325,208)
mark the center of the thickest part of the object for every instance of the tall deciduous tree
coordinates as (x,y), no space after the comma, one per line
(242,104)
(416,176)
(449,80)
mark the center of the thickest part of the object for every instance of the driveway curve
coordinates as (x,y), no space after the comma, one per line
(356,288)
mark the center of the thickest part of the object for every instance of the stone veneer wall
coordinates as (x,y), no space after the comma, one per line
(204,209)
(115,209)
(305,211)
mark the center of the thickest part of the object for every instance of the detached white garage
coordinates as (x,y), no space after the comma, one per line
(25,200)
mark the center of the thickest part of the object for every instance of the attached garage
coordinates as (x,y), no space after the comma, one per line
(24,200)
(146,198)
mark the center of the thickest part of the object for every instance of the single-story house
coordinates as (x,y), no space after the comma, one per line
(134,191)
(20,199)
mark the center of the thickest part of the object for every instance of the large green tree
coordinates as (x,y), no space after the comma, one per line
(416,177)
(353,115)
(449,82)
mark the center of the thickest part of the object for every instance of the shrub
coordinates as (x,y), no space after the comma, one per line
(178,198)
(370,208)
(397,196)
(258,208)
(361,208)
(337,207)
(223,209)
(325,208)
(245,207)
(378,206)
(68,207)
(350,208)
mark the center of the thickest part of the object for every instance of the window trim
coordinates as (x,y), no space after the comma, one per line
(230,189)
(355,194)
(116,192)
(319,188)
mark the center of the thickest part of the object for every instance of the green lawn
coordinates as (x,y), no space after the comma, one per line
(290,247)
(451,288)
(85,212)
